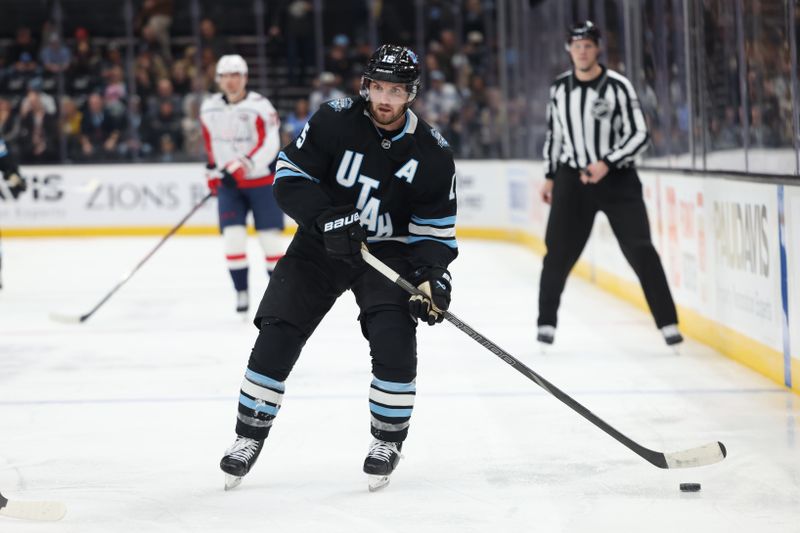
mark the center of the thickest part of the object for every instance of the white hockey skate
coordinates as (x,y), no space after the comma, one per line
(381,461)
(239,459)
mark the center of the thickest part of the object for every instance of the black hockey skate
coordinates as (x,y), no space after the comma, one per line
(239,459)
(672,337)
(545,335)
(381,461)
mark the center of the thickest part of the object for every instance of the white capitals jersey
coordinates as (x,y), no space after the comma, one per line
(247,131)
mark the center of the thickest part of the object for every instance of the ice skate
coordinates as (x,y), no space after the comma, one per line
(380,462)
(672,337)
(242,302)
(239,459)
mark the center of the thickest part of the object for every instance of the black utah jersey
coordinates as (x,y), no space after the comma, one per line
(403,185)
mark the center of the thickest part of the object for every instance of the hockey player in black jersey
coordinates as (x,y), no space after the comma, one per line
(10,172)
(15,185)
(364,170)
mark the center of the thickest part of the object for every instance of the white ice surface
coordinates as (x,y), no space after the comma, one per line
(125,417)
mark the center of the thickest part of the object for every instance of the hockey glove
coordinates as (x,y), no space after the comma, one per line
(16,185)
(343,234)
(227,180)
(435,283)
(235,172)
(213,178)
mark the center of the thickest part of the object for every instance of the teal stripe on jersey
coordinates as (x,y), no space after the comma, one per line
(446,221)
(447,242)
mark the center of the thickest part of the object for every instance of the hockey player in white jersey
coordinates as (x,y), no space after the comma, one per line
(242,139)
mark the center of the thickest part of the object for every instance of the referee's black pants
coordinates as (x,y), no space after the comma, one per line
(574,206)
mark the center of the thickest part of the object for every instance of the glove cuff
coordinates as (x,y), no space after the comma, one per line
(429,273)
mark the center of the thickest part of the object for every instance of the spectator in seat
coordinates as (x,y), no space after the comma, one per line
(100,130)
(113,58)
(154,21)
(181,83)
(55,57)
(195,97)
(21,73)
(193,144)
(115,92)
(70,124)
(294,20)
(441,100)
(337,60)
(210,39)
(132,147)
(165,123)
(164,92)
(326,90)
(295,122)
(23,44)
(84,73)
(37,130)
(167,149)
(35,86)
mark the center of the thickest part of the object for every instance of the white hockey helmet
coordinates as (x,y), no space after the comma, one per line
(231,64)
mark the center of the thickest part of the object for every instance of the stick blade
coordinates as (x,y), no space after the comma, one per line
(43,511)
(68,319)
(701,456)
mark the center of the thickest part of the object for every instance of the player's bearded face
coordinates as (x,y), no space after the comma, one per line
(387,101)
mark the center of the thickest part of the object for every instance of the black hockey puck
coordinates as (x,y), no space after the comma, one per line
(690,487)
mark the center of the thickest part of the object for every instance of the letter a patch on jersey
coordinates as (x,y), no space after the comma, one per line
(408,170)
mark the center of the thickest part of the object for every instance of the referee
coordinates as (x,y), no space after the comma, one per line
(595,130)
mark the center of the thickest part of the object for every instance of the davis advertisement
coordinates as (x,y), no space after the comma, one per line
(745,248)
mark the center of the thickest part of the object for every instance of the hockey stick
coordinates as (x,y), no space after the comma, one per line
(39,510)
(700,456)
(73,319)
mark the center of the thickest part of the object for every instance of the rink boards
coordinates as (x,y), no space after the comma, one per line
(731,249)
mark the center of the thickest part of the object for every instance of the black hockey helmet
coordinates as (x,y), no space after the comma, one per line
(392,63)
(584,30)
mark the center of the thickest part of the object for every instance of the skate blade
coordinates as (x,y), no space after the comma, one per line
(37,511)
(376,483)
(231,482)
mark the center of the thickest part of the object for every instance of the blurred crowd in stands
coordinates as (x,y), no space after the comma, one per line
(102,116)
(69,95)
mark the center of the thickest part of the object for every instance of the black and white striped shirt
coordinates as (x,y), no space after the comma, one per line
(590,121)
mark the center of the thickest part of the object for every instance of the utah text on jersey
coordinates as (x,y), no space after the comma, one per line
(591,121)
(247,130)
(402,183)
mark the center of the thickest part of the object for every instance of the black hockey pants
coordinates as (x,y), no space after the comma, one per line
(574,206)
